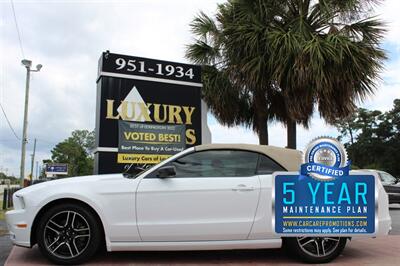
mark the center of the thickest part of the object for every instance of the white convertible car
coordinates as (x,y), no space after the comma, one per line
(205,198)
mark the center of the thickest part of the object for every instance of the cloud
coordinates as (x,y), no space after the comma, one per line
(67,37)
(389,12)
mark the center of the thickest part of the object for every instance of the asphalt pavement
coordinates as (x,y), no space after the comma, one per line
(381,250)
(394,210)
(5,243)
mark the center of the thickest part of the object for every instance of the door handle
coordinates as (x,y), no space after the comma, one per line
(243,187)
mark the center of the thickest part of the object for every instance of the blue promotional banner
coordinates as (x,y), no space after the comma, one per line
(306,206)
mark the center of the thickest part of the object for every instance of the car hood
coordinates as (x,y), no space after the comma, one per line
(68,181)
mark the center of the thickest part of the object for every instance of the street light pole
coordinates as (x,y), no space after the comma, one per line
(33,160)
(25,125)
(27,64)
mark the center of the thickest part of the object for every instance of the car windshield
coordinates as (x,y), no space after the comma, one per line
(133,171)
(387,179)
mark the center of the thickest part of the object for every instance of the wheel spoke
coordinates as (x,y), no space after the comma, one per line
(332,239)
(78,236)
(81,230)
(73,220)
(74,245)
(55,241)
(322,246)
(67,220)
(307,242)
(70,250)
(316,245)
(54,250)
(52,225)
(70,221)
(52,229)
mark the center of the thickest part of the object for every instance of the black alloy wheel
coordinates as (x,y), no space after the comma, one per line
(68,234)
(315,249)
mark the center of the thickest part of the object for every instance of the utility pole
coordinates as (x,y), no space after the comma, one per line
(33,159)
(37,169)
(27,64)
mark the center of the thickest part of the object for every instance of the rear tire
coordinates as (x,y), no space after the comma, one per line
(68,234)
(315,249)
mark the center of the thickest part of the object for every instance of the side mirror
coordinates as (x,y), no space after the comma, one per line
(166,171)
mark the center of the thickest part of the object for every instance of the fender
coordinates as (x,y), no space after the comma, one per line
(79,197)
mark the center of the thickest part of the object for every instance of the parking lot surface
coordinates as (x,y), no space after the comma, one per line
(378,251)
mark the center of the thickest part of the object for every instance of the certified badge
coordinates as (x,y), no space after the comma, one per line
(325,159)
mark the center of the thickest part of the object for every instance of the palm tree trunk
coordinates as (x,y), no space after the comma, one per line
(291,134)
(261,117)
(263,132)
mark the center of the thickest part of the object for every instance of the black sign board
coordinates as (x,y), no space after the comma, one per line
(151,68)
(140,93)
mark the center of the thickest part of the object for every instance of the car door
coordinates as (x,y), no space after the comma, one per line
(213,196)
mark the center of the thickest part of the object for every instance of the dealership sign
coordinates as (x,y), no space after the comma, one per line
(144,143)
(324,198)
(147,110)
(56,169)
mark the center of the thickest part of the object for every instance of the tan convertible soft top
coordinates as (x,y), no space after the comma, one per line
(288,158)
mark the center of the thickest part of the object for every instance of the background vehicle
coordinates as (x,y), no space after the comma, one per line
(208,197)
(391,185)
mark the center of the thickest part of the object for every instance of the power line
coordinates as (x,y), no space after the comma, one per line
(16,25)
(8,121)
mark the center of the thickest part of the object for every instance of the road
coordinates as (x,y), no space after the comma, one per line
(394,210)
(5,243)
(357,251)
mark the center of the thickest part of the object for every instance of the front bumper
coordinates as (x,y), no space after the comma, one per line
(20,236)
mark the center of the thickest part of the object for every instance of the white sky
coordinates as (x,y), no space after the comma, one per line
(67,37)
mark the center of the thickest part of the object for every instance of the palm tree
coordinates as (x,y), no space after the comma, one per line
(325,54)
(234,96)
(284,58)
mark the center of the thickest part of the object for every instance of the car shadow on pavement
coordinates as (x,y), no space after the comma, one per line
(232,257)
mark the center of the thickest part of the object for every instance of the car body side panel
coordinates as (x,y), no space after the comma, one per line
(262,226)
(196,245)
(111,196)
(196,209)
(384,222)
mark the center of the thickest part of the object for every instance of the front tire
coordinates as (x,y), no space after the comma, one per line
(315,249)
(68,234)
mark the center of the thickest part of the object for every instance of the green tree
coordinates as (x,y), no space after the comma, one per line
(376,138)
(85,139)
(12,179)
(281,59)
(76,151)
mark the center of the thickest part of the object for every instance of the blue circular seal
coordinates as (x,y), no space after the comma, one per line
(324,158)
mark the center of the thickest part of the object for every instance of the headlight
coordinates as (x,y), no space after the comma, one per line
(19,202)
